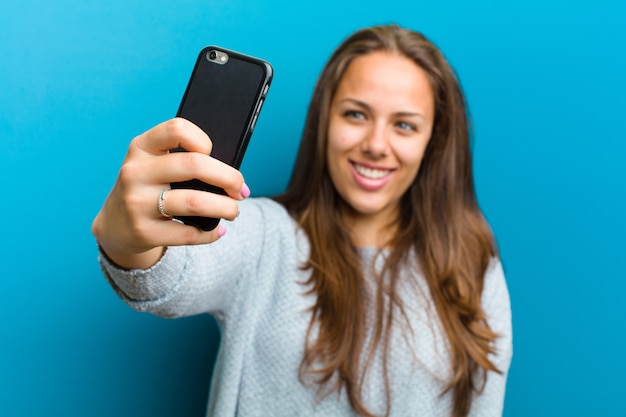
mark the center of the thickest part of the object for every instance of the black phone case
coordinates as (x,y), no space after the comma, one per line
(223,99)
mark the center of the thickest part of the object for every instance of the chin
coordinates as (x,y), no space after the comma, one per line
(365,208)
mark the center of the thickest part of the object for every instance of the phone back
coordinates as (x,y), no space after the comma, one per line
(223,97)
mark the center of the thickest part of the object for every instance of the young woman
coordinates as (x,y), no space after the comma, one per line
(371,287)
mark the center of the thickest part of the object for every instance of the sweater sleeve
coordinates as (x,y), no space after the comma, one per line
(190,280)
(497,306)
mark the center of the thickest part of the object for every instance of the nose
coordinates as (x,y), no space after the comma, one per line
(376,142)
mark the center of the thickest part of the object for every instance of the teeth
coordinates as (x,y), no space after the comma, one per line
(370,172)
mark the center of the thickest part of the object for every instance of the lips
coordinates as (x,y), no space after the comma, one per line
(371,173)
(370,178)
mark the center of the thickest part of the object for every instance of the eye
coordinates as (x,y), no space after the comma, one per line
(354,114)
(406,126)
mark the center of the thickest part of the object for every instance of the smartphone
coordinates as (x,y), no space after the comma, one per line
(223,97)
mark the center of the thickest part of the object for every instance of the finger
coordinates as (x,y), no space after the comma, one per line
(184,166)
(182,202)
(172,134)
(172,233)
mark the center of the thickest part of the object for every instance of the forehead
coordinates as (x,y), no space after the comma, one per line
(386,77)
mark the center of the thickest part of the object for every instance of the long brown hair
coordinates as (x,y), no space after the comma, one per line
(440,224)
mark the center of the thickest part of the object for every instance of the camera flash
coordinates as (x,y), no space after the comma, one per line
(217,57)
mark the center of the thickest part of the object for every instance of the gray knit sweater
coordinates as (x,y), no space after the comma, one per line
(251,282)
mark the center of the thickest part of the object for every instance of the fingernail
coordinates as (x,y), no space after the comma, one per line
(221,230)
(245,191)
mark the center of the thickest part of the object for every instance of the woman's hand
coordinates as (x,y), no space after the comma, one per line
(131,229)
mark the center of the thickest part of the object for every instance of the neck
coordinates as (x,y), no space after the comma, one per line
(370,230)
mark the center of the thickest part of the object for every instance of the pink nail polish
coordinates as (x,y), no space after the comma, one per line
(221,230)
(245,191)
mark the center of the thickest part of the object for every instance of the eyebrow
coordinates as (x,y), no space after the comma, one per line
(369,108)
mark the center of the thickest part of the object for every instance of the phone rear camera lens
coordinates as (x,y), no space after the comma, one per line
(212,55)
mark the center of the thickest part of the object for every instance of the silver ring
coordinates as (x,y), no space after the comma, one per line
(160,204)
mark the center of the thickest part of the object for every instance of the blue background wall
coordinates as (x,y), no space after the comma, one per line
(79,79)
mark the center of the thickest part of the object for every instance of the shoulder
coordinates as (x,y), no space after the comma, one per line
(495,296)
(263,204)
(494,281)
(262,222)
(264,213)
(497,306)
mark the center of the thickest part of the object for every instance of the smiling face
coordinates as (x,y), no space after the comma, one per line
(380,121)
